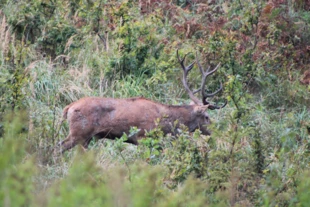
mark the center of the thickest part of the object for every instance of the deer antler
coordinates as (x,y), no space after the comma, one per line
(205,74)
(184,80)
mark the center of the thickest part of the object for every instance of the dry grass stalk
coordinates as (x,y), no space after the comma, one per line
(5,35)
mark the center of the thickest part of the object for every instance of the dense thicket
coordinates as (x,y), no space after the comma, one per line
(54,52)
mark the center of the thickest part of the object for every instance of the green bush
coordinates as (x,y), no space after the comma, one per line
(55,52)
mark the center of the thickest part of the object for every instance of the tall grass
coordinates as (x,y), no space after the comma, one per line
(256,156)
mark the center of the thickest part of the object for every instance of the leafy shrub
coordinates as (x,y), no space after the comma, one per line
(55,52)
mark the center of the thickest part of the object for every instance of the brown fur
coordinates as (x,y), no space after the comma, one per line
(110,118)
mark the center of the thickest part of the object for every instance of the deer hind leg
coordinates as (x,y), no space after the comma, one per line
(66,144)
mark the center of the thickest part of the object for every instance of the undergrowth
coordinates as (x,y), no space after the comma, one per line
(55,52)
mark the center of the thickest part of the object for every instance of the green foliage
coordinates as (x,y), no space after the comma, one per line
(302,190)
(55,52)
(16,172)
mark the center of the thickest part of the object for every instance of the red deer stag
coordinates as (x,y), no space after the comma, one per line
(110,118)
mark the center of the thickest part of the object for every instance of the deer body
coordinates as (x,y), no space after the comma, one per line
(111,118)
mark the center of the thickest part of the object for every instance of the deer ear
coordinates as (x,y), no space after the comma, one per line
(201,109)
